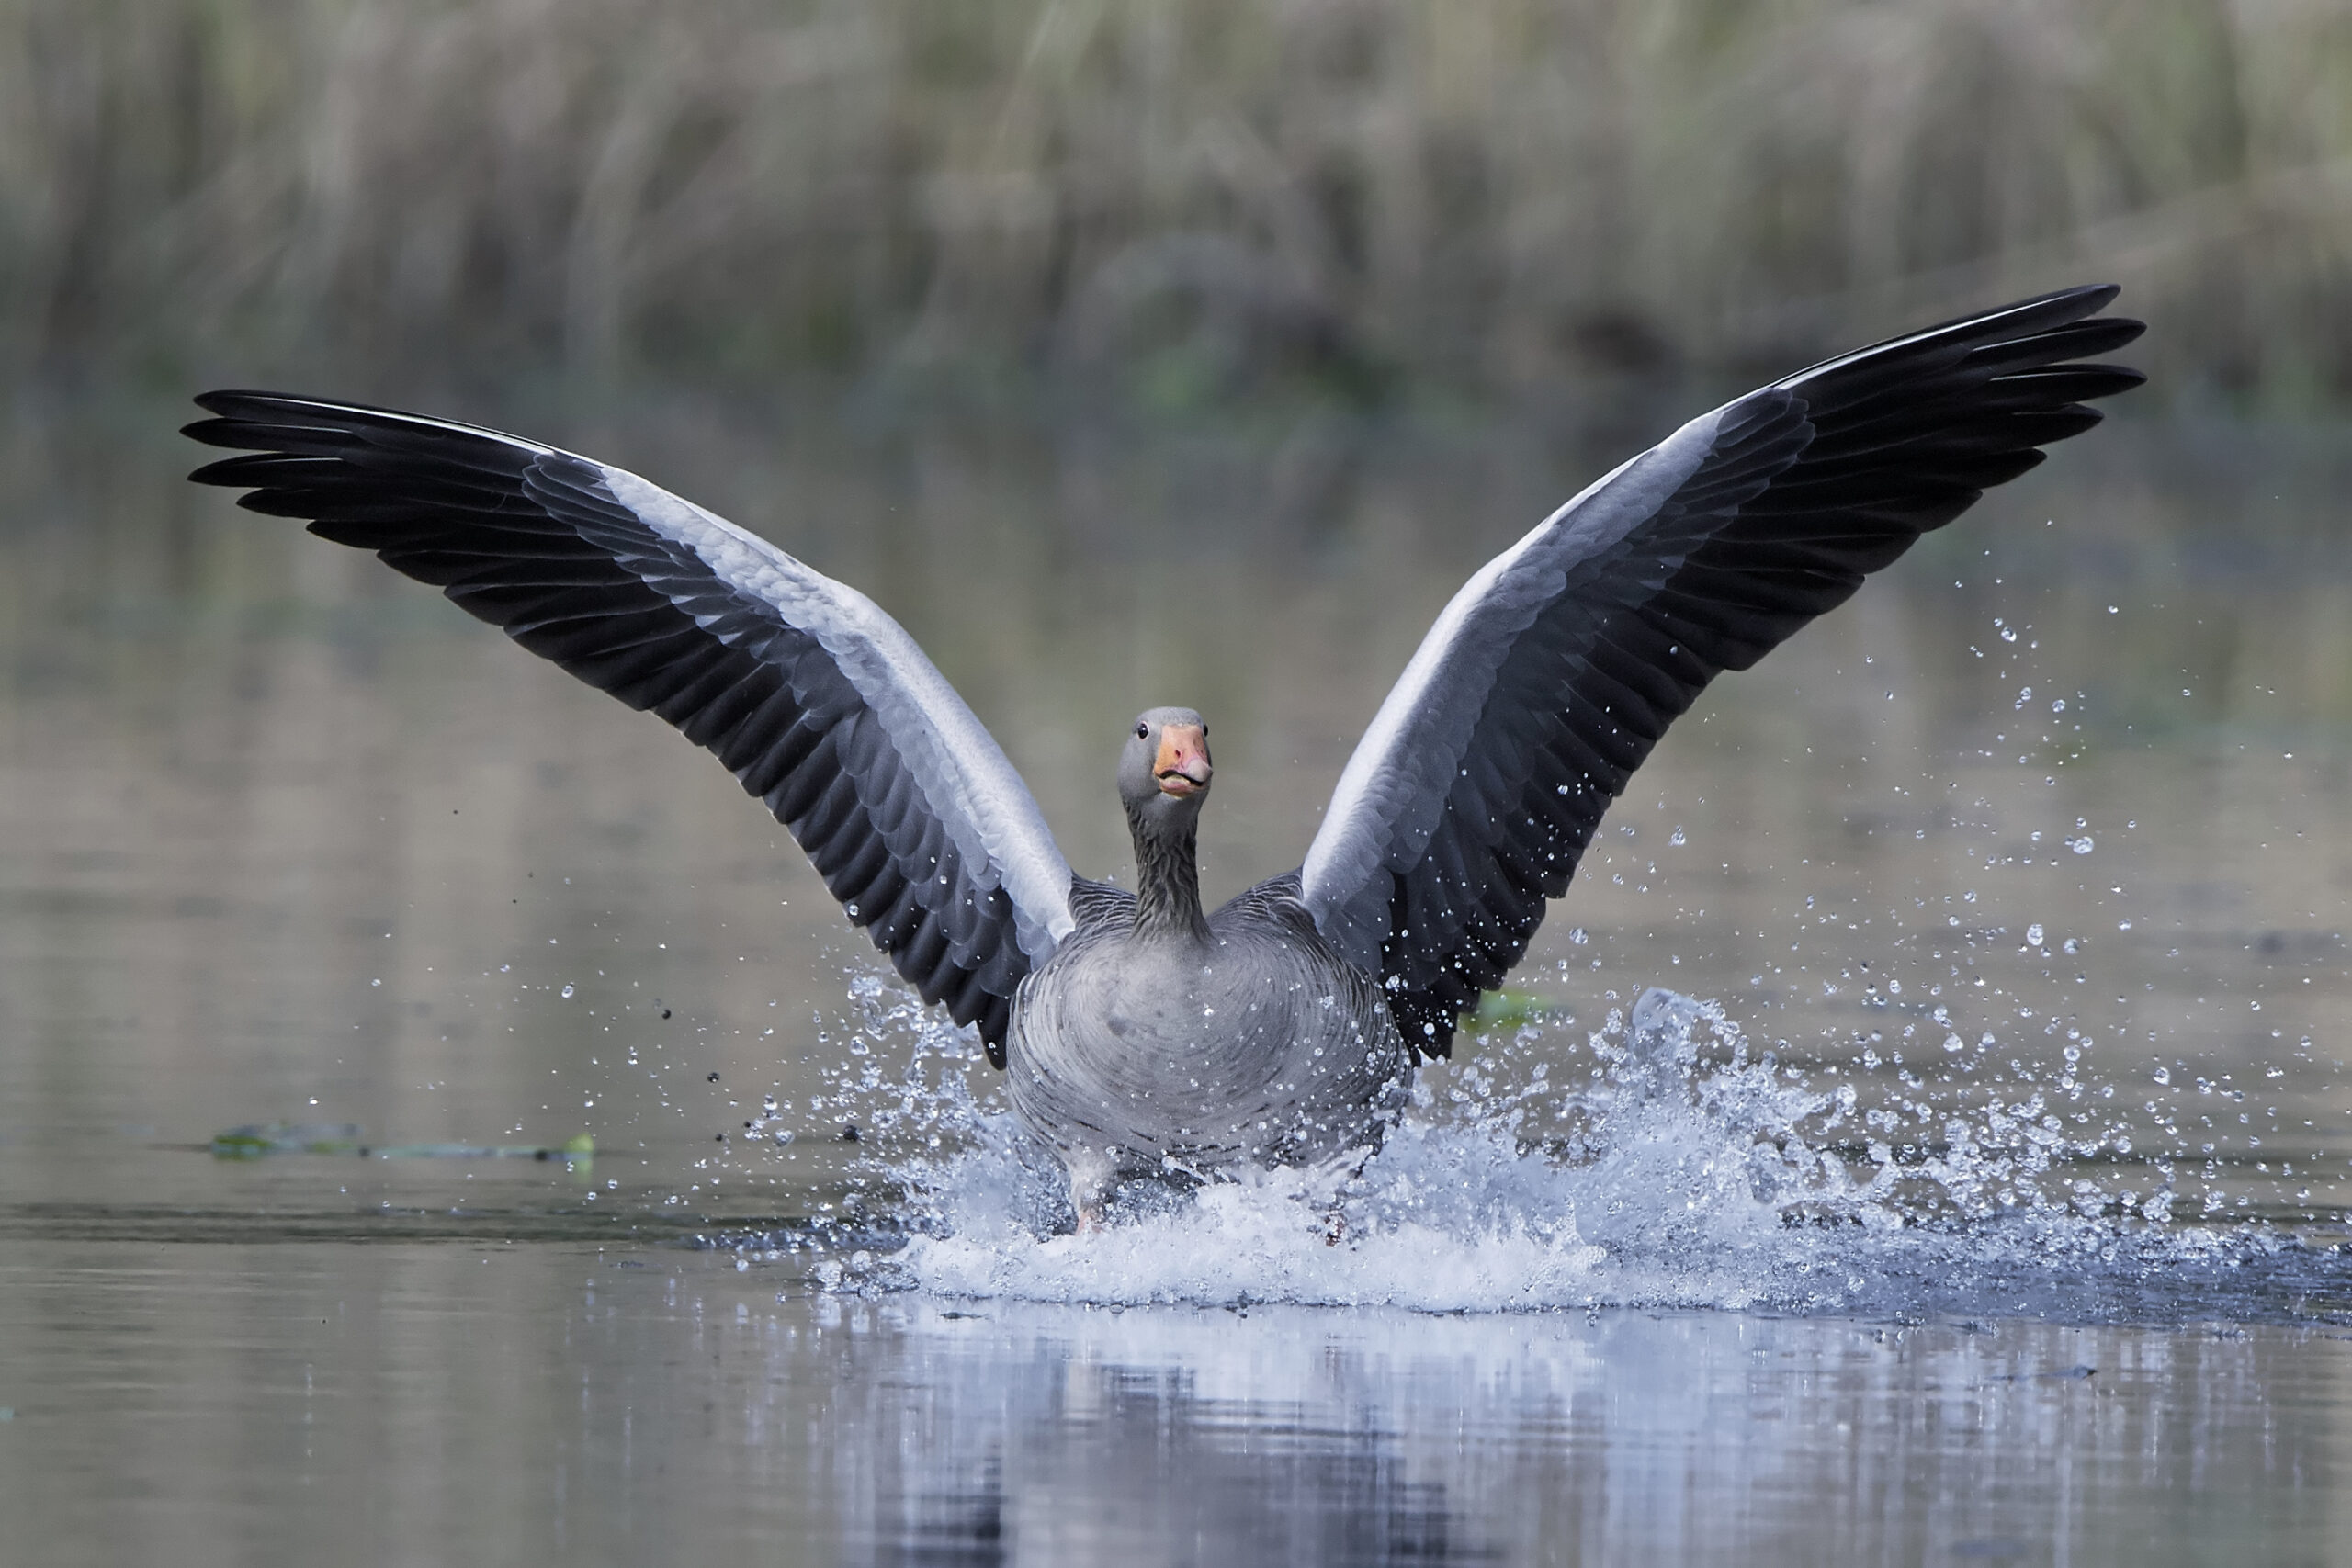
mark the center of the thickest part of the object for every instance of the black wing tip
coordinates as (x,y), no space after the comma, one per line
(2092,296)
(248,402)
(221,471)
(224,401)
(236,428)
(223,429)
(2021,321)
(2060,307)
(2127,329)
(2037,313)
(232,406)
(247,420)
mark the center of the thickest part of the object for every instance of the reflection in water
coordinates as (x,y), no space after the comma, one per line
(452,1402)
(1285,1436)
(1052,1448)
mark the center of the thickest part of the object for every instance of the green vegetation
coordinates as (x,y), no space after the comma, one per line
(1183,196)
(263,1139)
(1513,1010)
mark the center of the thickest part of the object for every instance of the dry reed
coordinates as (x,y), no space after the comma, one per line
(1483,192)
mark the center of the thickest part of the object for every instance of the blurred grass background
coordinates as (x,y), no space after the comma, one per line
(1184,198)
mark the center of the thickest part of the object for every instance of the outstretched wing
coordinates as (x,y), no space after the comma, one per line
(1547,680)
(820,703)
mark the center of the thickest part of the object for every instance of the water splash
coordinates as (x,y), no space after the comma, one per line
(1676,1165)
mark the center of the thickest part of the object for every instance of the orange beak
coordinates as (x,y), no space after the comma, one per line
(1183,765)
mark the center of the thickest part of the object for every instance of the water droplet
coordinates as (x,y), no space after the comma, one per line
(2081,846)
(1676,837)
(2033,935)
(567,991)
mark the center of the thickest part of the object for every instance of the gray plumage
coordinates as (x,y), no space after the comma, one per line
(1144,1035)
(1162,1040)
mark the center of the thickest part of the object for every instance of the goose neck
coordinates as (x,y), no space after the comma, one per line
(1168,878)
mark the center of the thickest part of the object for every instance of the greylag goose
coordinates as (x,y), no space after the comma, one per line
(1142,1034)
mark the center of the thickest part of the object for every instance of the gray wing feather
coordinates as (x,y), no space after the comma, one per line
(1403,776)
(963,775)
(1548,678)
(820,703)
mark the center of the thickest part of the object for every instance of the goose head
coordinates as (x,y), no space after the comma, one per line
(1164,771)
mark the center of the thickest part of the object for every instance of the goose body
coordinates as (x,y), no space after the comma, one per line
(1251,1042)
(1143,1035)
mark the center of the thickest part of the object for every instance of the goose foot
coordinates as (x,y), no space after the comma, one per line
(1090,1185)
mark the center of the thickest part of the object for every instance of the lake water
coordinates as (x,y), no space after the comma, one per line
(1989,1207)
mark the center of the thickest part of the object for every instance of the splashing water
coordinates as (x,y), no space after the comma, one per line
(1680,1168)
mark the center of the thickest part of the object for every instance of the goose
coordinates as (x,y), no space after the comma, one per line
(1144,1036)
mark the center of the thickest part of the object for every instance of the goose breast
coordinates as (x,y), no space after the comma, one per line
(1257,1045)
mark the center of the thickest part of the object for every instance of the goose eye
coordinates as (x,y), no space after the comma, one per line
(1143,731)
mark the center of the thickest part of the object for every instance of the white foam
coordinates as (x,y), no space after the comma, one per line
(1671,1166)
